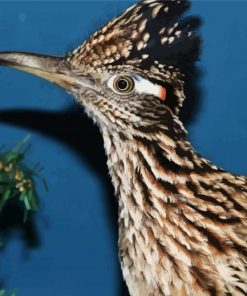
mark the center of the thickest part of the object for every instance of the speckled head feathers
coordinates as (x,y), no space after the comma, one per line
(152,33)
(153,39)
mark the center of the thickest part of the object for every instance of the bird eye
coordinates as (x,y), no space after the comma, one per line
(123,84)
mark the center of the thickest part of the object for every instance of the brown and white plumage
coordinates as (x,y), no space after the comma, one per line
(182,220)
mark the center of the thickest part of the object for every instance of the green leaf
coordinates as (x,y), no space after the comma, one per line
(32,200)
(22,143)
(14,156)
(26,202)
(22,195)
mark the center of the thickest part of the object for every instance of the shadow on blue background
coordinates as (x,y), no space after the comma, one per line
(70,246)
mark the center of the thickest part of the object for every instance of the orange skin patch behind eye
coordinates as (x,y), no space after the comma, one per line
(162,94)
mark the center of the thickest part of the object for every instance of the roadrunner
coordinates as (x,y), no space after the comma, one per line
(182,220)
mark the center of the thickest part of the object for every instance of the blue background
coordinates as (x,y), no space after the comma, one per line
(70,246)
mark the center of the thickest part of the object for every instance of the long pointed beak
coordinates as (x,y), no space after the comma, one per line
(54,69)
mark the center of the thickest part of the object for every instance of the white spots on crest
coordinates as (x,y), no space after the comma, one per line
(166,9)
(153,4)
(134,34)
(142,25)
(149,1)
(170,40)
(145,37)
(170,31)
(126,51)
(145,56)
(156,10)
(164,40)
(137,17)
(140,45)
(162,30)
(129,36)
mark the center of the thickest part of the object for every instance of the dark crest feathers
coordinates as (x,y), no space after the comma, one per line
(173,38)
(148,32)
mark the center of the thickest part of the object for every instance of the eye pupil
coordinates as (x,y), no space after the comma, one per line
(122,84)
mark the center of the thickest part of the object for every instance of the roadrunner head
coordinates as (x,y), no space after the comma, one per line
(130,72)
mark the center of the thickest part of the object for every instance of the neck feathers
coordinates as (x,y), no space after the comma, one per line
(176,209)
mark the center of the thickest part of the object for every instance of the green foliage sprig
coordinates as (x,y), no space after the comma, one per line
(17,181)
(4,293)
